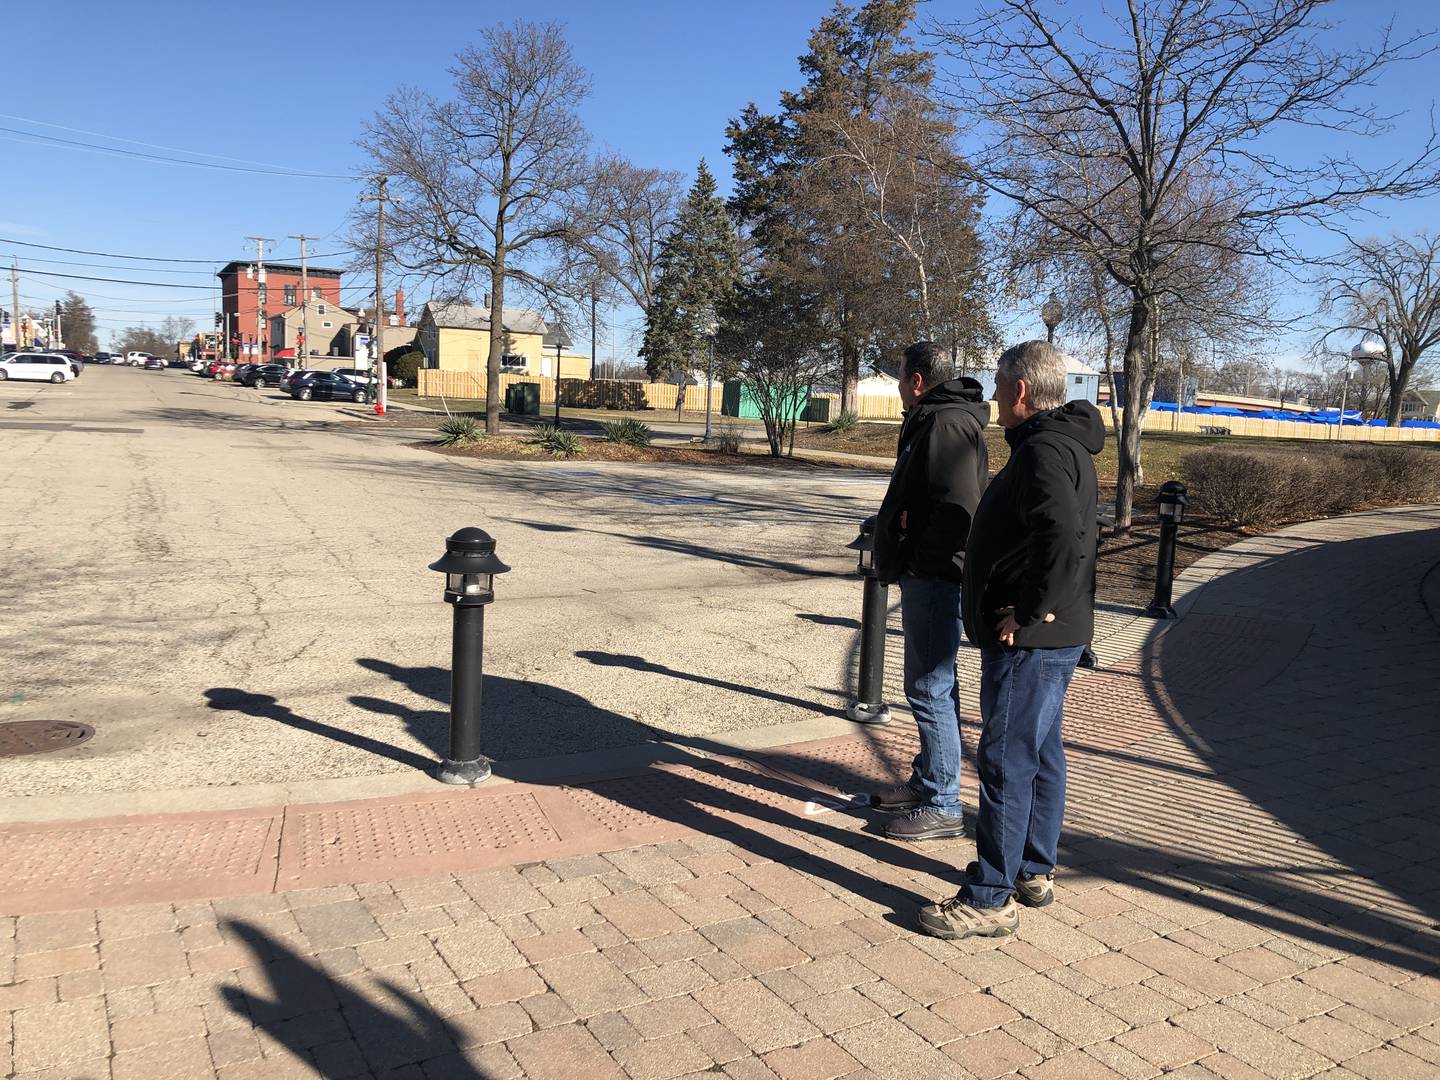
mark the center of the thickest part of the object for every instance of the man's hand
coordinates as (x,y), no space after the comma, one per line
(1007,625)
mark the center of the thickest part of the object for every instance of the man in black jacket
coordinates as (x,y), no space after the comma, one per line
(1029,607)
(920,532)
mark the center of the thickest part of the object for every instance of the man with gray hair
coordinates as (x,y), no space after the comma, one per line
(1028,601)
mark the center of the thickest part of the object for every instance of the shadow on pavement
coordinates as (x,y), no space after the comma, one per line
(1337,741)
(639,663)
(334,1029)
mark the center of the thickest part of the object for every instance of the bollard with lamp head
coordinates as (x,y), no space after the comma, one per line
(1171,503)
(869,708)
(469,565)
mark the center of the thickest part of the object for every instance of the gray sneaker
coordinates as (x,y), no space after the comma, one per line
(924,823)
(1035,890)
(954,918)
(897,799)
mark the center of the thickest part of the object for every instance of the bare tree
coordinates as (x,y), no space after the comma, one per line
(490,182)
(628,211)
(1391,290)
(1144,136)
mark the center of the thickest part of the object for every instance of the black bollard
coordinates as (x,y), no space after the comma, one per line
(469,565)
(1171,505)
(869,706)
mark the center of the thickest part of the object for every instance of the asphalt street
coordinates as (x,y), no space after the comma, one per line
(231,587)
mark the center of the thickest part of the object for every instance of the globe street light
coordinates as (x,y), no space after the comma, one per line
(1051,313)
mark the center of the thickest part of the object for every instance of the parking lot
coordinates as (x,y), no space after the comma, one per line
(231,587)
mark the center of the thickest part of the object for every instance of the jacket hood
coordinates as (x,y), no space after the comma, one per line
(1076,420)
(961,391)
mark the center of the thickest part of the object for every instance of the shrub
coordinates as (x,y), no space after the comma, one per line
(1251,487)
(406,367)
(846,421)
(727,438)
(557,442)
(460,431)
(627,432)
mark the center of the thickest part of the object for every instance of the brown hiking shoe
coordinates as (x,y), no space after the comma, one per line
(923,823)
(1035,890)
(897,799)
(954,918)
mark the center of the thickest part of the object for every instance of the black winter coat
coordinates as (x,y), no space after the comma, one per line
(1032,546)
(940,471)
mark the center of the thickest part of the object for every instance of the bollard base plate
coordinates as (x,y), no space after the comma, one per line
(863,713)
(1159,611)
(463,772)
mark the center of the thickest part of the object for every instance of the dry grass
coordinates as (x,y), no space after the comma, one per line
(521,448)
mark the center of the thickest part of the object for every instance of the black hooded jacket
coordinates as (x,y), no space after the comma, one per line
(1032,546)
(939,474)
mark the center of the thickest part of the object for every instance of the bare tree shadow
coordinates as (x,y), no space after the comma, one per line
(639,663)
(335,1030)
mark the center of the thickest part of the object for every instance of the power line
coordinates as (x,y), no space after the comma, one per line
(74,144)
(148,258)
(157,146)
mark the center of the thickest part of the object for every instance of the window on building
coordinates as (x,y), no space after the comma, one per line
(320,309)
(327,324)
(514,360)
(314,292)
(289,295)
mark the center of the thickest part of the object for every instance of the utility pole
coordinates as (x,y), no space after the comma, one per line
(380,198)
(15,302)
(261,321)
(304,301)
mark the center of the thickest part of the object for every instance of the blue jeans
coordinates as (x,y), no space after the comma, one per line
(930,615)
(1021,765)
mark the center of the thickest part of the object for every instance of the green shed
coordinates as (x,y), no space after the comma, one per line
(739,402)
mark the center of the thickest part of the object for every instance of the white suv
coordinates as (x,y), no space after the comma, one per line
(42,367)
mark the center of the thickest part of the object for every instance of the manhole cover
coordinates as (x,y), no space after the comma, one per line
(40,736)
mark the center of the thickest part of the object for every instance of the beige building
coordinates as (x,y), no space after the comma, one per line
(1420,405)
(331,329)
(456,337)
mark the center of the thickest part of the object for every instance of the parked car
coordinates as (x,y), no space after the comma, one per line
(305,385)
(265,375)
(103,358)
(154,363)
(135,357)
(241,370)
(37,367)
(363,376)
(198,366)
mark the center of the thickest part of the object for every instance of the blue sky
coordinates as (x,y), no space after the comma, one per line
(289,84)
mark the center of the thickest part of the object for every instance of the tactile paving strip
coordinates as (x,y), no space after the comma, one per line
(684,795)
(879,757)
(380,832)
(100,859)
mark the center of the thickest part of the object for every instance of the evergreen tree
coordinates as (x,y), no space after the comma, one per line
(698,272)
(77,323)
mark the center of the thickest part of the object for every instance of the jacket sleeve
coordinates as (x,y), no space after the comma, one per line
(951,491)
(1050,505)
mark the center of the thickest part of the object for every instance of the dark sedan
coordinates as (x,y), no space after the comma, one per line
(264,375)
(326,385)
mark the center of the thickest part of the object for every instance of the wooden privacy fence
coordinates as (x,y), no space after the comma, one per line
(574,393)
(1252,427)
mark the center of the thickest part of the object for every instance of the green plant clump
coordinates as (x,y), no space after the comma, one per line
(846,421)
(557,442)
(628,432)
(460,431)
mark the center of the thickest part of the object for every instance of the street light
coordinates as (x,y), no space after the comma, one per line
(1051,313)
(1366,352)
(869,708)
(469,565)
(711,329)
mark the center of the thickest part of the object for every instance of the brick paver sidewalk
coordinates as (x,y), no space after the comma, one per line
(1249,888)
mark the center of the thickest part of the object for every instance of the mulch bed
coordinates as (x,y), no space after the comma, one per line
(520,448)
(1125,573)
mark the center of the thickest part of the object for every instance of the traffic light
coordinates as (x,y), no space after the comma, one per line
(219,320)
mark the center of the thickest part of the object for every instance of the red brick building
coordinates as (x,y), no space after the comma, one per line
(241,299)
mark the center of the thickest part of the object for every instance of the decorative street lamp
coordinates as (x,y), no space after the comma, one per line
(711,329)
(1171,501)
(869,708)
(469,565)
(1051,313)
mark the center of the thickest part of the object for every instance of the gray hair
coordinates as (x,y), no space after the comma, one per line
(1042,366)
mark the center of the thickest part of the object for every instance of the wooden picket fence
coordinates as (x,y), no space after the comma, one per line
(574,393)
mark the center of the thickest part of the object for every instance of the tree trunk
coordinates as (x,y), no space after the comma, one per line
(679,395)
(497,342)
(1128,469)
(849,377)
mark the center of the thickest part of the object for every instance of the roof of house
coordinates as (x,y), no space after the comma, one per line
(1430,396)
(471,317)
(279,268)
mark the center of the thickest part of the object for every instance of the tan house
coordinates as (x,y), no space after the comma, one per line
(1420,405)
(331,329)
(456,337)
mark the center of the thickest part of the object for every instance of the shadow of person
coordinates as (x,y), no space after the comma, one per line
(264,706)
(336,1030)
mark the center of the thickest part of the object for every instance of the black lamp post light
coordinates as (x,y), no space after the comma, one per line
(469,565)
(869,706)
(1171,503)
